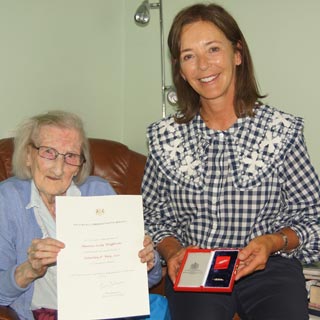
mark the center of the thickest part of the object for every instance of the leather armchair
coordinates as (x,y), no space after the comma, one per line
(7,313)
(112,160)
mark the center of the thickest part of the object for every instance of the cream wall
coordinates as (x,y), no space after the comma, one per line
(89,57)
(63,54)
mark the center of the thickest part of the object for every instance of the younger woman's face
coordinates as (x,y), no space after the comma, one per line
(208,61)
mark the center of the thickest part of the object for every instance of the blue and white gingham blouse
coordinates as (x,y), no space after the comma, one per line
(222,188)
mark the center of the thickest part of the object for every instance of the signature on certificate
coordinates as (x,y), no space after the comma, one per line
(111,288)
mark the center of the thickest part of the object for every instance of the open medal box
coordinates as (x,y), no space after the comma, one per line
(207,270)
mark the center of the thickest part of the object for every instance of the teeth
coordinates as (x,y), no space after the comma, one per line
(208,79)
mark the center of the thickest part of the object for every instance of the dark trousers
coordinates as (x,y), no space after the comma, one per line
(276,293)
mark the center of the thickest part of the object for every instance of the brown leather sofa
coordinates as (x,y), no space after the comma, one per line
(114,161)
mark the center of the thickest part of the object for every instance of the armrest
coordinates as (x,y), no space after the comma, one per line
(7,313)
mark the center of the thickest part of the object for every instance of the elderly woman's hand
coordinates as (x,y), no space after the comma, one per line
(147,253)
(41,254)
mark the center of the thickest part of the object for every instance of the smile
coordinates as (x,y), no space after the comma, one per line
(53,178)
(208,79)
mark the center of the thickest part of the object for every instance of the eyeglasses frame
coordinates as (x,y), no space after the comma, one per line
(82,158)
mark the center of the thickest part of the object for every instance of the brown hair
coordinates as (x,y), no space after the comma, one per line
(246,87)
(28,132)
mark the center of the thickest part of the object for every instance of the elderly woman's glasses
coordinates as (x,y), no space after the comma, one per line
(52,154)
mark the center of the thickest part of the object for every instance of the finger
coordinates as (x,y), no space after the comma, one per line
(48,241)
(45,247)
(149,247)
(46,253)
(250,265)
(244,254)
(147,257)
(173,270)
(43,254)
(150,264)
(145,251)
(147,240)
(42,264)
(172,273)
(39,261)
(38,267)
(245,270)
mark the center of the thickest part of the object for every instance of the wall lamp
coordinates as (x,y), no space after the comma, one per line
(142,17)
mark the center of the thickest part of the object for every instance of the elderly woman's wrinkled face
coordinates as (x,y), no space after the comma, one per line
(53,177)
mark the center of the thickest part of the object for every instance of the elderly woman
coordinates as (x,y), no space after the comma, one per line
(51,158)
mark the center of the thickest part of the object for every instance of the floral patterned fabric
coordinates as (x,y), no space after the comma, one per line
(222,188)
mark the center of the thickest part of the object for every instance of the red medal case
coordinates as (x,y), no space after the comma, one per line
(211,270)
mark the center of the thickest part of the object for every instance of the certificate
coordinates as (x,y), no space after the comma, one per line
(99,273)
